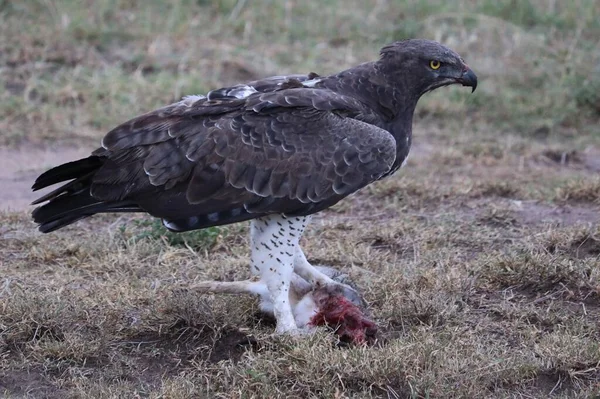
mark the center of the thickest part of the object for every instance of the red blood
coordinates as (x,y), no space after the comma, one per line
(349,321)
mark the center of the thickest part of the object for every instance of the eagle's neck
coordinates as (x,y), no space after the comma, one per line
(401,128)
(393,105)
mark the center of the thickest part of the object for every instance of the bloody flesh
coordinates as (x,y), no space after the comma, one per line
(348,320)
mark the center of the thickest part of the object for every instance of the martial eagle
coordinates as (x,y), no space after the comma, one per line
(273,151)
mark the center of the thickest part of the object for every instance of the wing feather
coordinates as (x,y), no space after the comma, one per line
(294,150)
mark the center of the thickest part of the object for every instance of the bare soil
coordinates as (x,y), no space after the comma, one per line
(21,165)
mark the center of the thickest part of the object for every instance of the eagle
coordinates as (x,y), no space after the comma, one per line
(273,151)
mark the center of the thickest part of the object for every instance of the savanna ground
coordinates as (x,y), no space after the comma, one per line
(480,260)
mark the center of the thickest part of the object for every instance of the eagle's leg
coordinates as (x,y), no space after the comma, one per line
(273,240)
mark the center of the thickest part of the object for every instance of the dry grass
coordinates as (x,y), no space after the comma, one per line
(480,260)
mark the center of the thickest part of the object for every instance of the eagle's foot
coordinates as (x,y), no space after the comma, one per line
(298,332)
(287,327)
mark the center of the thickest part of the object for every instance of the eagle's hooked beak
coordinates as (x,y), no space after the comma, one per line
(468,78)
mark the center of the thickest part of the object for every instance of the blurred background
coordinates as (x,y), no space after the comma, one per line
(480,260)
(72,70)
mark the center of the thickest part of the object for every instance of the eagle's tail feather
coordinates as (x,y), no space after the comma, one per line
(72,201)
(67,171)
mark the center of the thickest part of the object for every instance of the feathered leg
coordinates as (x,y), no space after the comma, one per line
(284,277)
(273,240)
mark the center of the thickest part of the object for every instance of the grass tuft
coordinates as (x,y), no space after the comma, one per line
(153,229)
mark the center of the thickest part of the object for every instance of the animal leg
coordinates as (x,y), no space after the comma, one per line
(308,272)
(321,277)
(232,287)
(298,292)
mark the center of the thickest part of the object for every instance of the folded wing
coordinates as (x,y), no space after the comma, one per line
(237,155)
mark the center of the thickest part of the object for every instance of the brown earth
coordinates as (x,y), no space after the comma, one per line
(19,166)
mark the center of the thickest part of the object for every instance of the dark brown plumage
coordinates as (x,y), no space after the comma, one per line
(273,150)
(290,144)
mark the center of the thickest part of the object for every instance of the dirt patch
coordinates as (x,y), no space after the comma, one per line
(586,247)
(505,212)
(396,245)
(185,343)
(592,161)
(531,212)
(28,383)
(232,345)
(20,166)
(144,359)
(588,159)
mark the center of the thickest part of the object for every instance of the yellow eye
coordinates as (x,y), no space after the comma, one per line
(434,64)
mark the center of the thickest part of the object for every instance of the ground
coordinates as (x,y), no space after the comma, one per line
(480,260)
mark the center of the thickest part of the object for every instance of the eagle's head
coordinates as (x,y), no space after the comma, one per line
(420,65)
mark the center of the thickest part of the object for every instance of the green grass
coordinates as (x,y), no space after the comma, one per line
(80,71)
(153,229)
(480,260)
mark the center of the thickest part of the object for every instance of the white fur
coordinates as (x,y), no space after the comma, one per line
(304,311)
(308,271)
(300,298)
